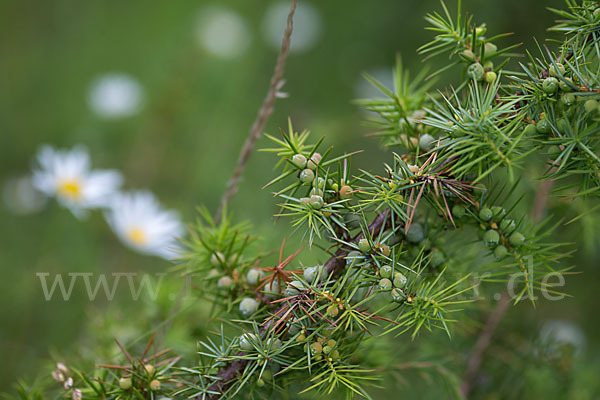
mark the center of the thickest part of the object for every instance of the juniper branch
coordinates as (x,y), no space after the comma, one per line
(333,266)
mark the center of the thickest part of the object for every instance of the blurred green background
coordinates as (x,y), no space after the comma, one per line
(201,69)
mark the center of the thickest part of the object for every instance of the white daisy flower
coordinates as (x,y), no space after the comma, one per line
(66,175)
(143,225)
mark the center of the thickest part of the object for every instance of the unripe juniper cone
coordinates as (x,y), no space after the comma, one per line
(299,161)
(314,160)
(246,341)
(307,175)
(486,214)
(248,306)
(415,233)
(550,85)
(399,280)
(475,71)
(364,245)
(426,142)
(385,271)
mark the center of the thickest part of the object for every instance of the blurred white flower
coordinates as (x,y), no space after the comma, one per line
(308,26)
(222,32)
(21,197)
(142,224)
(556,333)
(115,95)
(66,175)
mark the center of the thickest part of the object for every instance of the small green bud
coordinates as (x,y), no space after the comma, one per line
(553,71)
(154,385)
(490,49)
(354,257)
(530,130)
(316,202)
(488,65)
(271,289)
(294,288)
(399,280)
(562,125)
(248,306)
(333,310)
(364,245)
(384,249)
(149,369)
(335,355)
(385,284)
(516,239)
(499,213)
(437,258)
(217,259)
(426,142)
(475,71)
(564,86)
(415,233)
(320,184)
(397,294)
(500,252)
(314,160)
(507,226)
(352,221)
(307,175)
(246,341)
(313,274)
(346,192)
(125,383)
(458,211)
(490,77)
(254,276)
(225,282)
(550,85)
(591,106)
(385,271)
(568,99)
(486,214)
(299,161)
(543,126)
(327,349)
(273,344)
(316,348)
(491,238)
(554,149)
(468,55)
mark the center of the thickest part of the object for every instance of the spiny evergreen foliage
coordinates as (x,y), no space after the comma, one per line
(403,251)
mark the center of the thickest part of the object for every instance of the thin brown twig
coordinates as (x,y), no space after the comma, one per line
(483,341)
(263,115)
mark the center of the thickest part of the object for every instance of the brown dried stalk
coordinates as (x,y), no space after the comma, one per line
(263,115)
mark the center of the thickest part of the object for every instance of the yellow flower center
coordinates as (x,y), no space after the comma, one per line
(70,189)
(137,236)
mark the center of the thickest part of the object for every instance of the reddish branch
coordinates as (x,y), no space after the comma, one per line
(483,341)
(263,115)
(333,266)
